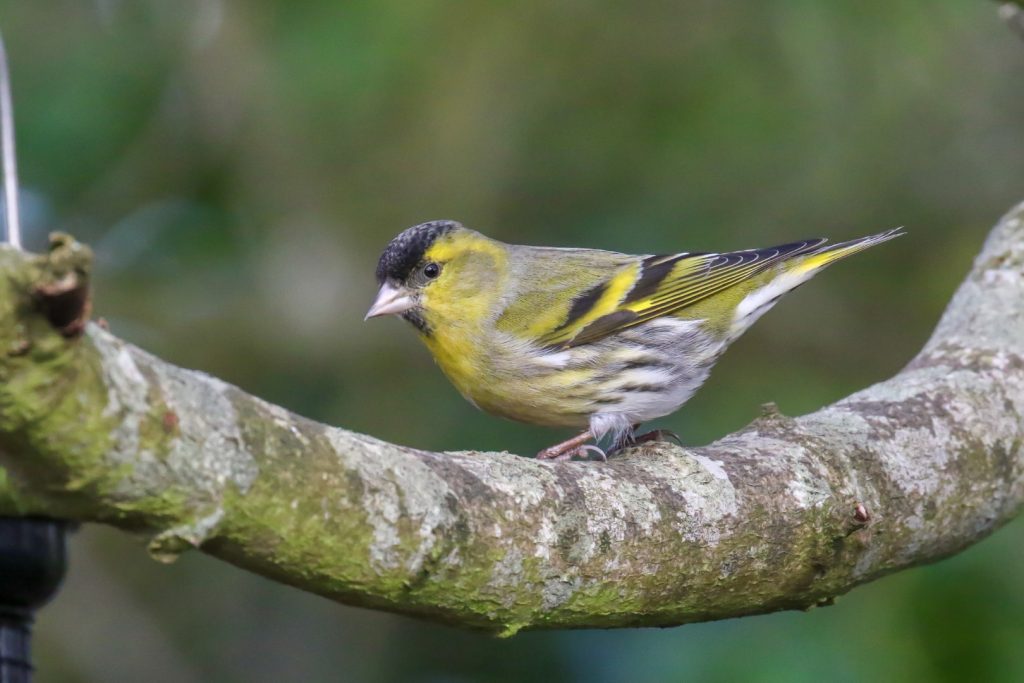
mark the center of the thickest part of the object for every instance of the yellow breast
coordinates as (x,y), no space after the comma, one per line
(504,381)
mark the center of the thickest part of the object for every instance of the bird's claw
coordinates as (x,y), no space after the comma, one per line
(655,435)
(659,435)
(581,452)
(590,448)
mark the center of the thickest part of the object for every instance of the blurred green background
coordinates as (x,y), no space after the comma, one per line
(239,166)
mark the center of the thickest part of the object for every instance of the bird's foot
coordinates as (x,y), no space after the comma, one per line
(655,435)
(659,436)
(576,447)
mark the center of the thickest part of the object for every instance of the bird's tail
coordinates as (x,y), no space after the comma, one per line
(829,254)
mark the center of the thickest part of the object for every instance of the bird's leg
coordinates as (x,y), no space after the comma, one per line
(577,446)
(625,440)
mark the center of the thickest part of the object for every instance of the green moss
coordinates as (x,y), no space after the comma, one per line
(53,401)
(282,516)
(11,499)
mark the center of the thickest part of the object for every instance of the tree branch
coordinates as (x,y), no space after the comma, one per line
(787,513)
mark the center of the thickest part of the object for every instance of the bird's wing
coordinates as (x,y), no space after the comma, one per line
(655,286)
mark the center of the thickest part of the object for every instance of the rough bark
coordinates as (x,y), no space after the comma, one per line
(786,513)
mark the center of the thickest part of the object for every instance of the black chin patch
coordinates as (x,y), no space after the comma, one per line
(405,251)
(415,317)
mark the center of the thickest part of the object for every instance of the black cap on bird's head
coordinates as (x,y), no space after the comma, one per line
(406,251)
(400,274)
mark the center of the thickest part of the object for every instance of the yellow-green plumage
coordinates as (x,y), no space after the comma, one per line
(583,337)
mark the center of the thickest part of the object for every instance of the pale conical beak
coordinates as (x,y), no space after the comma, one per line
(390,300)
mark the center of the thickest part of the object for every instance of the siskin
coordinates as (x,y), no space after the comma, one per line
(583,337)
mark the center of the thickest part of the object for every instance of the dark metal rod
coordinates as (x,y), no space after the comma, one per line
(15,651)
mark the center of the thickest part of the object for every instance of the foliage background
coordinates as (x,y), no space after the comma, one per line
(239,166)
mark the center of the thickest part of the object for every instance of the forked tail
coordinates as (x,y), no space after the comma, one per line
(828,254)
(795,271)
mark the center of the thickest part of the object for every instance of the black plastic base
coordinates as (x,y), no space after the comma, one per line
(33,559)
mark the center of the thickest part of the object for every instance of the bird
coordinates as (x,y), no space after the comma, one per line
(584,338)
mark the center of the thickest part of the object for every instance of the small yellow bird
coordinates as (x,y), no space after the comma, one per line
(583,337)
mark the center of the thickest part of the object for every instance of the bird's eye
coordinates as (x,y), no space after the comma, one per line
(432,270)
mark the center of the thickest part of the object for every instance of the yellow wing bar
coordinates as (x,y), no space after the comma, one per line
(664,284)
(659,285)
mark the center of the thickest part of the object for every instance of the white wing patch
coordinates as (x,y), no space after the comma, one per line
(674,325)
(758,302)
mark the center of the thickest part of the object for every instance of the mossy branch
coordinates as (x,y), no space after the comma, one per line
(787,513)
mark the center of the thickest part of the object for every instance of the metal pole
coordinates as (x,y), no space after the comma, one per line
(33,555)
(12,216)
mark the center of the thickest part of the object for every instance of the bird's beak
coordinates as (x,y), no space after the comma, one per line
(390,300)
